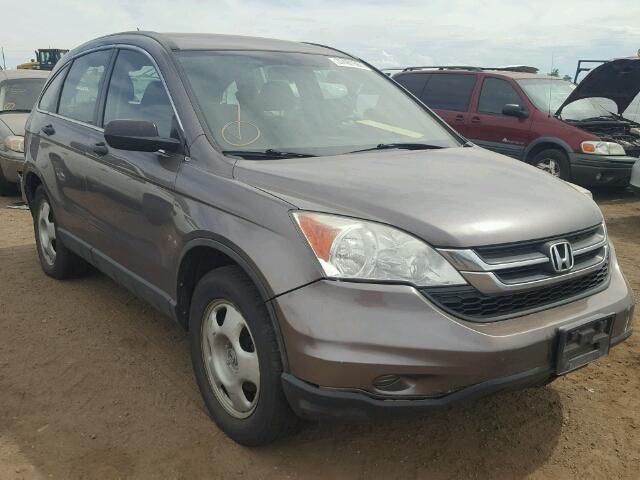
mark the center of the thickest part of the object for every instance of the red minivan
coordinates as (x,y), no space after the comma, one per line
(575,133)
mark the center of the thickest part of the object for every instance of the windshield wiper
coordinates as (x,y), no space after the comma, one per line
(401,146)
(270,153)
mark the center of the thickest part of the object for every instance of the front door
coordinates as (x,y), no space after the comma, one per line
(489,128)
(133,201)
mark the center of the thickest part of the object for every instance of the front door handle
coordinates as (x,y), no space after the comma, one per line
(100,149)
(48,130)
(475,119)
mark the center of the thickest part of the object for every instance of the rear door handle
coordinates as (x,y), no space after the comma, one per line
(48,130)
(459,119)
(100,149)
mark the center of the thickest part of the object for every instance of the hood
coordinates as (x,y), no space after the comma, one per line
(454,197)
(618,80)
(15,121)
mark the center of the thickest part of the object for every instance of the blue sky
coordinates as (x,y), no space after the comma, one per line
(385,33)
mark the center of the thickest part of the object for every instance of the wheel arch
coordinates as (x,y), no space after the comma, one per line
(30,183)
(203,254)
(544,143)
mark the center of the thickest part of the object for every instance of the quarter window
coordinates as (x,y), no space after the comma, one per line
(496,93)
(449,91)
(79,96)
(49,100)
(137,93)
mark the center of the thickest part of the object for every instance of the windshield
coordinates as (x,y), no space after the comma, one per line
(20,94)
(315,104)
(547,95)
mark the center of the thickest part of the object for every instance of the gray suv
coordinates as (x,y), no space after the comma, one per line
(331,245)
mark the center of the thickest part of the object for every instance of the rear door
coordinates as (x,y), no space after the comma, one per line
(489,128)
(449,94)
(65,133)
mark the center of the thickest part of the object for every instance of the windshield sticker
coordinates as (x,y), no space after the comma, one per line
(390,128)
(348,62)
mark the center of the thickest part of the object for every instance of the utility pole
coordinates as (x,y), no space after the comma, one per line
(4,64)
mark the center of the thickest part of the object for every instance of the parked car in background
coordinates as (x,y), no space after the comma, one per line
(19,90)
(332,247)
(542,120)
(635,177)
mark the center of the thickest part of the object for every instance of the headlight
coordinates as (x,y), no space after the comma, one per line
(15,143)
(602,148)
(356,249)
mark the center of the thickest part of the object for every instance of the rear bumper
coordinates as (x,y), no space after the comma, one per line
(311,401)
(600,170)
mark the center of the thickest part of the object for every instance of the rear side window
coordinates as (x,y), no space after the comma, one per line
(137,93)
(449,91)
(81,87)
(49,100)
(495,94)
(414,82)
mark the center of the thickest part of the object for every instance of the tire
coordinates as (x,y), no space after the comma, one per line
(262,413)
(554,162)
(7,189)
(55,259)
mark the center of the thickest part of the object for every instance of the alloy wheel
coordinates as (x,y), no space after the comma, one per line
(47,232)
(230,358)
(549,165)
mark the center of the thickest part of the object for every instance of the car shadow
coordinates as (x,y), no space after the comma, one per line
(508,435)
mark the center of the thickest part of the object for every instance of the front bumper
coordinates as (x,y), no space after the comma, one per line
(309,400)
(12,165)
(342,338)
(600,170)
(635,177)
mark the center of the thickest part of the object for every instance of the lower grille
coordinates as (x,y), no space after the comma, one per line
(470,304)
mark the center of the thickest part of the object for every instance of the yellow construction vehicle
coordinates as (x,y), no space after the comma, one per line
(46,59)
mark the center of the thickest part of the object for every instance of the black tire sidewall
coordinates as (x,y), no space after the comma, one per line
(230,284)
(559,156)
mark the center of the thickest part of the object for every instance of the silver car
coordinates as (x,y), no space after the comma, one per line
(18,92)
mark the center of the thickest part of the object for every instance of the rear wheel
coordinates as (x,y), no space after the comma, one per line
(55,259)
(236,359)
(554,162)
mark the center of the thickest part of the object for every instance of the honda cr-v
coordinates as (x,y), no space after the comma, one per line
(332,247)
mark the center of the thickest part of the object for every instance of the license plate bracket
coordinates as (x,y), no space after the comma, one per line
(582,342)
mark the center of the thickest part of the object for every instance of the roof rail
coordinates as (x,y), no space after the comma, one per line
(442,67)
(513,68)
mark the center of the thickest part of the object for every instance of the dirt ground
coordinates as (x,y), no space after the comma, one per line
(95,384)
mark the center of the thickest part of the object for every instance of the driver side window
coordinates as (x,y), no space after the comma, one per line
(137,93)
(495,94)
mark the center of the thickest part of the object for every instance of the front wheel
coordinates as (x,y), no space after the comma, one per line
(236,359)
(553,162)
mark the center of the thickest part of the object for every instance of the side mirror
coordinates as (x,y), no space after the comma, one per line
(515,110)
(138,136)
